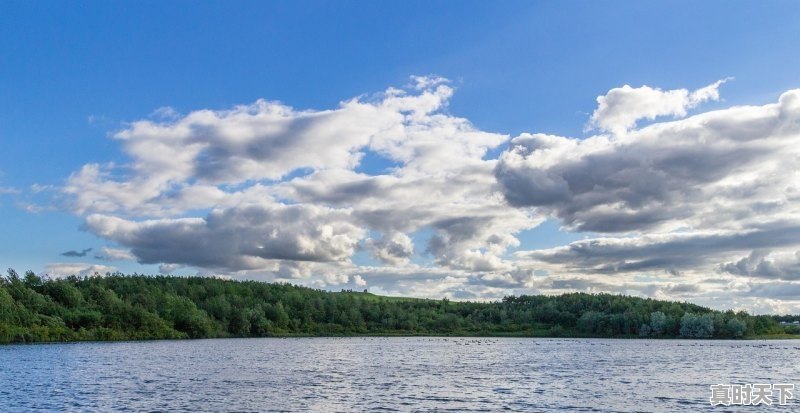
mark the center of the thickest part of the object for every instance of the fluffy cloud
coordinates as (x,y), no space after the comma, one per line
(237,238)
(220,189)
(673,209)
(724,169)
(64,269)
(685,198)
(114,254)
(265,140)
(619,109)
(359,281)
(187,162)
(763,264)
(394,248)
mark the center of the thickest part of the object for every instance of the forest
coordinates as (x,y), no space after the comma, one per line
(139,307)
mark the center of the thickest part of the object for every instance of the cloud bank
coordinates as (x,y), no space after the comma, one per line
(700,206)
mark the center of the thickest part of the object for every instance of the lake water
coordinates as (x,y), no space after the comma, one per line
(389,374)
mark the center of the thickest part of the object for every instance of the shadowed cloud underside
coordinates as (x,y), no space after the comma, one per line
(673,202)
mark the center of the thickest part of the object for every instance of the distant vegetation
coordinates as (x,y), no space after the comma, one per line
(118,307)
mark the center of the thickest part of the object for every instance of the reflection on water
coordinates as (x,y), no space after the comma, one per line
(389,374)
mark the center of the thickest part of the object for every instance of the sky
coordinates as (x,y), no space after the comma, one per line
(458,149)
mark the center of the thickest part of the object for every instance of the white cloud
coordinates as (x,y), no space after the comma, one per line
(270,192)
(394,248)
(38,188)
(685,198)
(726,169)
(115,254)
(619,109)
(335,279)
(165,113)
(236,238)
(235,160)
(64,269)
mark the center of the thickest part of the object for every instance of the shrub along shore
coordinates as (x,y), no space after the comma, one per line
(139,307)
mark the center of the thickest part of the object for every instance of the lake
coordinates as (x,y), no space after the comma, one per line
(389,374)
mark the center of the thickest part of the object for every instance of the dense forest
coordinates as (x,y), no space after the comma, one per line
(119,307)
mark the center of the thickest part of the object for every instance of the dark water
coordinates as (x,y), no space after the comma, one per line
(389,374)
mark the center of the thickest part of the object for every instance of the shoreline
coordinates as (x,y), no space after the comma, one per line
(124,308)
(771,337)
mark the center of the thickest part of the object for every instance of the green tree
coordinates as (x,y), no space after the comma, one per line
(697,326)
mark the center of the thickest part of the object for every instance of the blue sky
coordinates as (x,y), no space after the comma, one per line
(74,75)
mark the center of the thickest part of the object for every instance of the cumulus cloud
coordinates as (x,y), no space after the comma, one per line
(206,150)
(673,209)
(359,280)
(727,168)
(265,140)
(514,278)
(619,109)
(686,198)
(245,237)
(114,254)
(335,279)
(764,264)
(472,223)
(64,269)
(281,185)
(394,248)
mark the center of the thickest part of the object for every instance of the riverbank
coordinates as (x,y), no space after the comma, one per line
(118,307)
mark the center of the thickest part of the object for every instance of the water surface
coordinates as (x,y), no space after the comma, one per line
(389,374)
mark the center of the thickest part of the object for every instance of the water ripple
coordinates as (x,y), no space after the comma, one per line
(387,374)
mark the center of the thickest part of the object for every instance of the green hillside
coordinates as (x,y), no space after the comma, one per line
(118,307)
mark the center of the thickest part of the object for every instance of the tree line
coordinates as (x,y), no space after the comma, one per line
(134,307)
